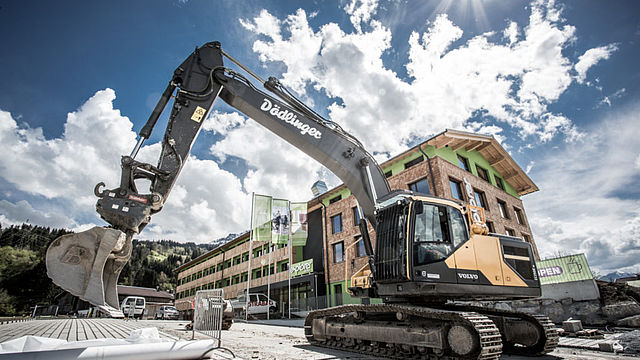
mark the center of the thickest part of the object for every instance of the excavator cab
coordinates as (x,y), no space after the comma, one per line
(430,249)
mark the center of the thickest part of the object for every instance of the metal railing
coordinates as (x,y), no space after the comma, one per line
(207,313)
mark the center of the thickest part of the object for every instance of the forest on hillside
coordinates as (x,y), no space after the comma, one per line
(23,275)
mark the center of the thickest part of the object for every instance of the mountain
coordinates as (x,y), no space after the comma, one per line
(224,240)
(615,275)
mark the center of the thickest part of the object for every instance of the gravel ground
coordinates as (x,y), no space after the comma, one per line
(261,341)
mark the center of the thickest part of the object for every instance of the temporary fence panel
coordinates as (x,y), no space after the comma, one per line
(564,269)
(207,313)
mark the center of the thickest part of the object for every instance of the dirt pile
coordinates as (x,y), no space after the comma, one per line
(611,293)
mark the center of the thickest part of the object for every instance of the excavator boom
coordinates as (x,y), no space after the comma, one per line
(88,264)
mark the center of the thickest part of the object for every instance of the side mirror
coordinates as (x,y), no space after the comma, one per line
(419,206)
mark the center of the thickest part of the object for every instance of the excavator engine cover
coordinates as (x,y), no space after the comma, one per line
(88,264)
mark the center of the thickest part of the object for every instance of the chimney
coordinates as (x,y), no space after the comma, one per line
(319,187)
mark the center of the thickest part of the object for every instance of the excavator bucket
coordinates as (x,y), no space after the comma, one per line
(88,264)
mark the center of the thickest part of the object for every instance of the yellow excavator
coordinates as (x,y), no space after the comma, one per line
(428,251)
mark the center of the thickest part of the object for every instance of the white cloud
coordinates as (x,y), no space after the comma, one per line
(89,151)
(206,203)
(510,84)
(23,212)
(592,57)
(587,200)
(221,123)
(275,167)
(361,11)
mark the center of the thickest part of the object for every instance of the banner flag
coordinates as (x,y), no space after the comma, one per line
(280,221)
(261,218)
(299,223)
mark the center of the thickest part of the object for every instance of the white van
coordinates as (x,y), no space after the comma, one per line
(133,307)
(258,304)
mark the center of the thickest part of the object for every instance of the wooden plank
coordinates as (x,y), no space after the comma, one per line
(114,330)
(57,333)
(92,331)
(46,325)
(52,329)
(37,326)
(72,335)
(99,327)
(80,331)
(64,334)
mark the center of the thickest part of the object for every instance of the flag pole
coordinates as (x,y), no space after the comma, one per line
(246,305)
(269,278)
(289,261)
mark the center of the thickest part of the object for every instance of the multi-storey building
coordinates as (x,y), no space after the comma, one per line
(438,166)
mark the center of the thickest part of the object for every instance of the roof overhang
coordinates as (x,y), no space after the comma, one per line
(492,151)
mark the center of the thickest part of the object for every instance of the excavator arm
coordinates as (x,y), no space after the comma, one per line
(88,264)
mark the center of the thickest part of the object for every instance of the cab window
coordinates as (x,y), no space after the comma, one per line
(458,227)
(438,230)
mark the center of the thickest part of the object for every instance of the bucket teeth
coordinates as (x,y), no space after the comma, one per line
(88,264)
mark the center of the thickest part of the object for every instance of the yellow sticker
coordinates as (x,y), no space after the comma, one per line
(198,114)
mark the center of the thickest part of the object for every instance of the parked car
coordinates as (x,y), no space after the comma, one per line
(258,304)
(166,313)
(133,306)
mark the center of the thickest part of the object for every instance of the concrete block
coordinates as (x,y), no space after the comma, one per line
(631,321)
(606,346)
(572,326)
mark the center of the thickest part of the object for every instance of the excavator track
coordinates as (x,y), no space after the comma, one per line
(545,330)
(472,334)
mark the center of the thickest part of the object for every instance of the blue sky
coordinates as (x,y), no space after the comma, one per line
(555,82)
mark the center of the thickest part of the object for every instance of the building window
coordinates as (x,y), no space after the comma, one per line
(388,174)
(212,269)
(243,277)
(481,200)
(284,266)
(338,252)
(503,209)
(456,189)
(463,162)
(245,257)
(335,199)
(205,272)
(420,186)
(413,162)
(482,173)
(526,238)
(509,232)
(356,216)
(360,247)
(519,216)
(336,223)
(499,182)
(492,229)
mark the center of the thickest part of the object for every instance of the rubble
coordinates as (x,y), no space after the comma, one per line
(630,341)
